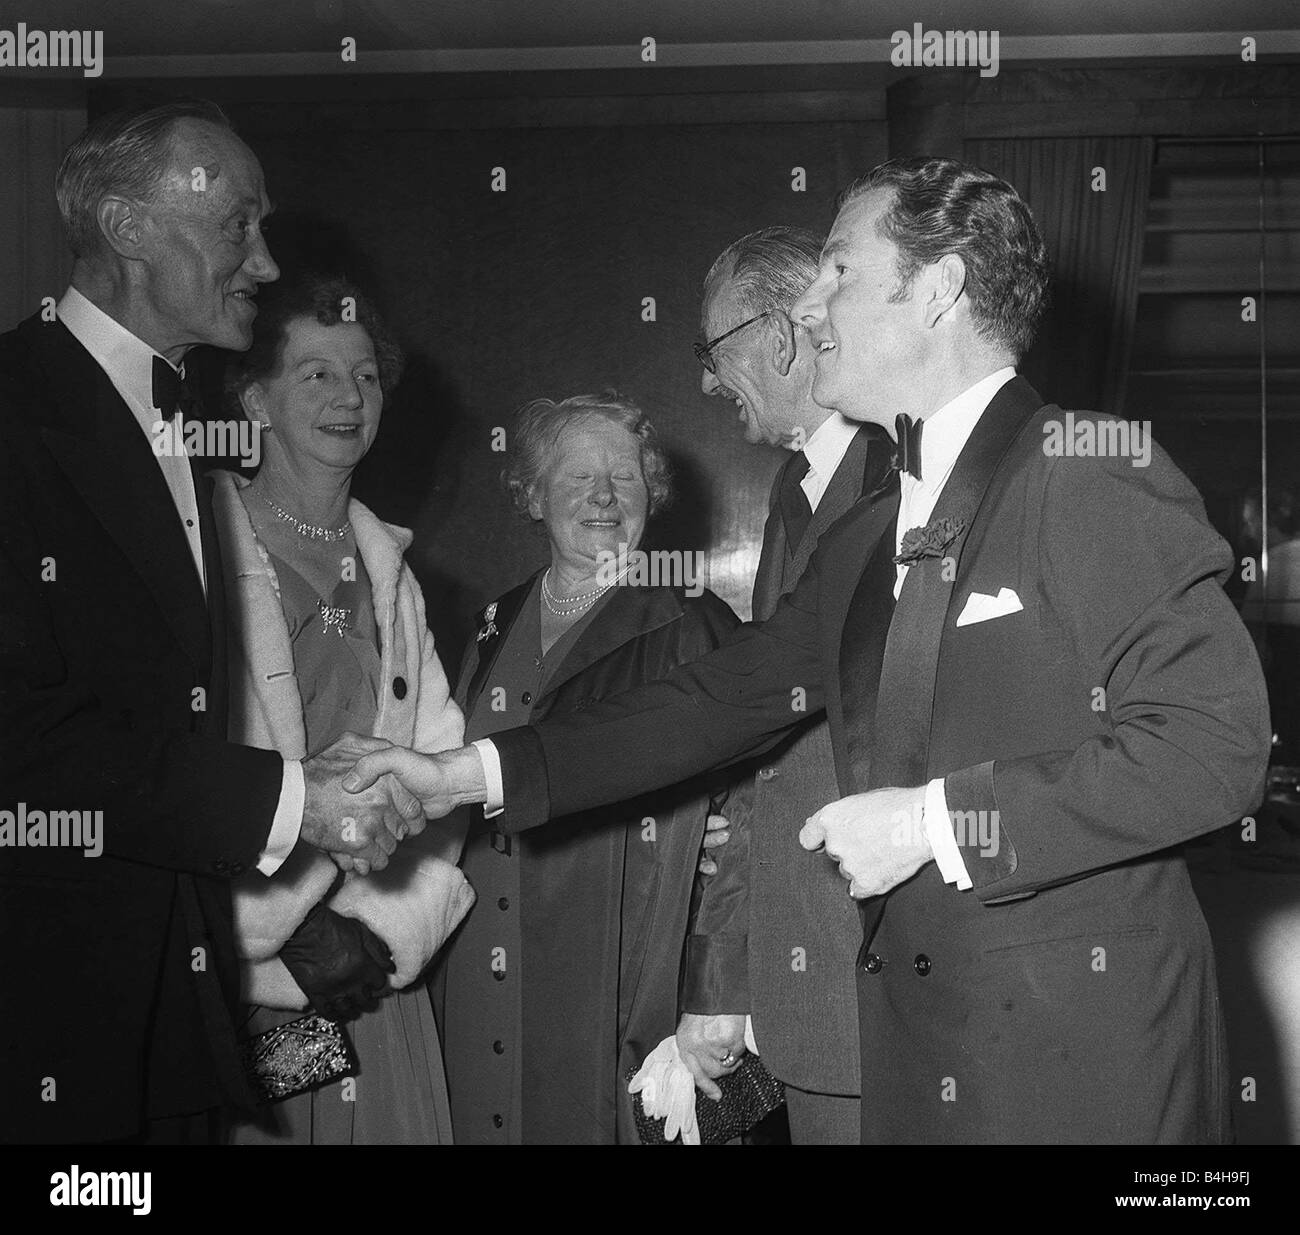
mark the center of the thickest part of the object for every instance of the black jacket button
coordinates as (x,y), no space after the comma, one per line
(872,963)
(497,1121)
(527,697)
(399,687)
(921,964)
(499,975)
(503,902)
(499,1047)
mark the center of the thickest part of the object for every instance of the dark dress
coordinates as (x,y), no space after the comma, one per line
(399,1094)
(565,973)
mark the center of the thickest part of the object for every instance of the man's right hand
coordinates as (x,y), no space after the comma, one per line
(441,782)
(358,830)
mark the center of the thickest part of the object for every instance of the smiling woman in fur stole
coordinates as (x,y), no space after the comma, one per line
(328,636)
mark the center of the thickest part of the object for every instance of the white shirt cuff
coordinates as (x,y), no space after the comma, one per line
(750,1044)
(287,823)
(938,831)
(495,802)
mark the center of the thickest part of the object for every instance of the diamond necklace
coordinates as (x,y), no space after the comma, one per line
(308,530)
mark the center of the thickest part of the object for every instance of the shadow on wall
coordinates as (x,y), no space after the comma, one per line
(687,523)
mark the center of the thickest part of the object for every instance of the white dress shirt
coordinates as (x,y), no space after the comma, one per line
(825,452)
(128,361)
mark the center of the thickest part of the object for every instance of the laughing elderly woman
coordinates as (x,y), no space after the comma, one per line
(328,636)
(565,975)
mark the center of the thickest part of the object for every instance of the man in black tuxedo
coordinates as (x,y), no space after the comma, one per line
(793,970)
(1036,688)
(118,967)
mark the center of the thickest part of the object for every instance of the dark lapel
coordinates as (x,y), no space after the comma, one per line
(771,562)
(96,441)
(900,752)
(856,609)
(864,465)
(490,636)
(630,613)
(218,683)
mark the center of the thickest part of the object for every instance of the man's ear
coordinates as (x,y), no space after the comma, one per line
(121,225)
(534,504)
(251,399)
(783,344)
(947,284)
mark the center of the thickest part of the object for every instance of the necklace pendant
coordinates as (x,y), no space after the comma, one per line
(335,618)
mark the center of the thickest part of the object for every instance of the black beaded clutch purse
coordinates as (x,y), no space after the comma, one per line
(297,1056)
(749,1095)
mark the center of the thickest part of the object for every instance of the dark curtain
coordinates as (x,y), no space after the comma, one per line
(1095,240)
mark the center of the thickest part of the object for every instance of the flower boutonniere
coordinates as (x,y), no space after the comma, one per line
(932,540)
(489,630)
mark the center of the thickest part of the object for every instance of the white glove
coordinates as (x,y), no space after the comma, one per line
(667,1091)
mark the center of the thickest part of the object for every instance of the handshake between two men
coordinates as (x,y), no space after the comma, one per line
(386,792)
(359,803)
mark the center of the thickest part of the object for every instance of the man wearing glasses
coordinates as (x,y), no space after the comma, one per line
(795,971)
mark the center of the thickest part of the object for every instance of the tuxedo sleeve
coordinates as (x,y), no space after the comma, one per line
(178,800)
(731,704)
(1132,572)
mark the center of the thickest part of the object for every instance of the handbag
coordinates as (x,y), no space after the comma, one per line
(296,1057)
(749,1095)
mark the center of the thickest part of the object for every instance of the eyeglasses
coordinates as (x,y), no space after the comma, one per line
(704,351)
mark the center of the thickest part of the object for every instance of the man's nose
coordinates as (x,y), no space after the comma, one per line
(602,492)
(260,264)
(810,308)
(709,383)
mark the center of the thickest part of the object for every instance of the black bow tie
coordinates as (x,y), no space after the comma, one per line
(907,454)
(169,390)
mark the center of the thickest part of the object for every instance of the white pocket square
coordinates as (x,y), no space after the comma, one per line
(981,608)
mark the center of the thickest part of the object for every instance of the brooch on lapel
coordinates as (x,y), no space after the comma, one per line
(334,617)
(490,626)
(929,541)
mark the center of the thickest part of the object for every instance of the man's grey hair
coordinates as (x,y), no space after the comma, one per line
(122,153)
(770,268)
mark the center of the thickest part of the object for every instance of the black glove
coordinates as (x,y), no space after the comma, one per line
(340,963)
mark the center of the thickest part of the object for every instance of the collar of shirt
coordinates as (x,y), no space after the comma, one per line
(947,431)
(824,452)
(126,359)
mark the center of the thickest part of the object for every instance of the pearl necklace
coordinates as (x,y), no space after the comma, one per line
(309,531)
(571,606)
